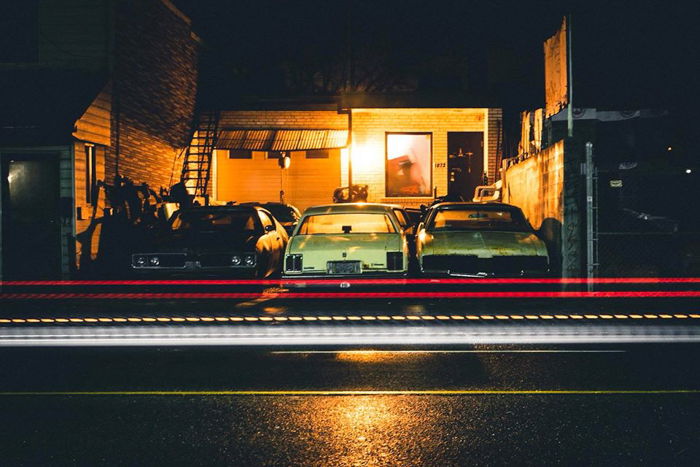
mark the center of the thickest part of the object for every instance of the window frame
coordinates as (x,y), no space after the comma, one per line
(387,135)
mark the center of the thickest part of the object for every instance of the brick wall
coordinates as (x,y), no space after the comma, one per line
(369,128)
(154,89)
(284,119)
(495,142)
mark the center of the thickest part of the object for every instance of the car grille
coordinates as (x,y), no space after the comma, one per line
(172,260)
(471,264)
(216,260)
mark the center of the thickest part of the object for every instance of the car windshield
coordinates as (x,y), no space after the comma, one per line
(208,220)
(357,223)
(282,213)
(451,219)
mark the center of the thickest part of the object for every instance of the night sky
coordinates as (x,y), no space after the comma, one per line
(626,55)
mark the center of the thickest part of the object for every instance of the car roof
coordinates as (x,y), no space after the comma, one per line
(232,208)
(350,208)
(263,203)
(457,204)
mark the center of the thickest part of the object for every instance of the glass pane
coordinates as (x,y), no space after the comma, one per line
(478,219)
(347,223)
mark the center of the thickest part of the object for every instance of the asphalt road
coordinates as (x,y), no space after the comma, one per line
(89,396)
(611,405)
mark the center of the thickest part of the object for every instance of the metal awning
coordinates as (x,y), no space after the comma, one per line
(281,140)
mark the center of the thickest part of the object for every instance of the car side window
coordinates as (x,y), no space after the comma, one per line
(402,218)
(265,219)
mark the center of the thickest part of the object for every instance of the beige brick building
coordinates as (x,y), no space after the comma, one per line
(404,155)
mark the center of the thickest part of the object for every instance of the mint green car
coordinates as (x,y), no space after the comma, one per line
(353,239)
(479,240)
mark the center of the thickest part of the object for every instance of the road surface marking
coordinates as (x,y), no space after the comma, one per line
(311,318)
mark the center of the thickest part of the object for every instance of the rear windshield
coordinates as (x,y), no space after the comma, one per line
(478,219)
(282,213)
(231,220)
(347,223)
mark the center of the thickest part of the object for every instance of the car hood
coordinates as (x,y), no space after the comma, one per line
(484,244)
(206,241)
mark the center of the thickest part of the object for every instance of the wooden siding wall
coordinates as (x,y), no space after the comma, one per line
(307,182)
(88,226)
(95,124)
(369,127)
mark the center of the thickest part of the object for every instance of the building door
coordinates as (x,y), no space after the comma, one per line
(30,217)
(465,163)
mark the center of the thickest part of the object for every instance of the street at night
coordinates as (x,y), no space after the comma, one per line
(349,233)
(607,404)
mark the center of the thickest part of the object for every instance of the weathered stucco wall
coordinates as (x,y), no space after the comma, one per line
(536,185)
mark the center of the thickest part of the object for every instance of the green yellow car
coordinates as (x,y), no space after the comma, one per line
(353,239)
(479,240)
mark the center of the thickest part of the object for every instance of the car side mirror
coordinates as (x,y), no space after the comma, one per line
(269,228)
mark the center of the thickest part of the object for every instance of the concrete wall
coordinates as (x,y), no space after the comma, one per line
(536,185)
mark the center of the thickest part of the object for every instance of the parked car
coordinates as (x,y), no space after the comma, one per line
(286,214)
(488,193)
(216,240)
(479,240)
(349,240)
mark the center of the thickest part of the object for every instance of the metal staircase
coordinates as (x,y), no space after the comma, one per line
(196,167)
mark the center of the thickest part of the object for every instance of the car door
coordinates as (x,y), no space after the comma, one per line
(408,232)
(273,241)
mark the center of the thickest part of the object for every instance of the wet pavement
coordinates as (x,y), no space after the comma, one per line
(482,405)
(410,399)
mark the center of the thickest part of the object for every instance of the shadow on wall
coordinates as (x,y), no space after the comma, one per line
(130,224)
(550,233)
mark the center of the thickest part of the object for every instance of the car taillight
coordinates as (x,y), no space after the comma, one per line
(394,260)
(293,263)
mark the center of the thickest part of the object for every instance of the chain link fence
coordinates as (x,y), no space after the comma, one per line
(641,232)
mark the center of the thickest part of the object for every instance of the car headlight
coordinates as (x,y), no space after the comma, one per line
(140,261)
(154,261)
(249,260)
(235,260)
